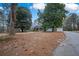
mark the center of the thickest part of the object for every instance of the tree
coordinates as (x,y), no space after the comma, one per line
(6,8)
(70,22)
(53,15)
(78,22)
(23,18)
(1,21)
(37,25)
(12,19)
(40,19)
(12,16)
(73,18)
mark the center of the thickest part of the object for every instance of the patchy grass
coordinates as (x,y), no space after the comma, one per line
(5,38)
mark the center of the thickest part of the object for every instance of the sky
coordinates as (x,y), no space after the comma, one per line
(33,7)
(71,7)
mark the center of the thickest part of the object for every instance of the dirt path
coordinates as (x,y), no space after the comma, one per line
(31,43)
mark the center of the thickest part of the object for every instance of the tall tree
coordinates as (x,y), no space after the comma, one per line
(70,22)
(23,18)
(53,15)
(12,19)
(40,19)
(6,8)
(78,22)
(1,21)
(73,18)
(11,8)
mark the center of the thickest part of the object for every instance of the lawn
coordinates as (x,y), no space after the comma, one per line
(31,44)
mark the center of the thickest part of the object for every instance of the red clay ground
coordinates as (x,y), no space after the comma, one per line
(31,44)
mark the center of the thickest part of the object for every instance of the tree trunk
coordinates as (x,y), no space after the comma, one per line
(12,19)
(78,26)
(11,28)
(52,29)
(44,29)
(22,30)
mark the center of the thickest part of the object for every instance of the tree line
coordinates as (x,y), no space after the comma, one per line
(18,17)
(53,16)
(71,22)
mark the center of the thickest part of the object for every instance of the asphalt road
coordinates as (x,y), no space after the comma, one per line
(70,46)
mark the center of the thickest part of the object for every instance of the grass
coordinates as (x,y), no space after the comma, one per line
(5,38)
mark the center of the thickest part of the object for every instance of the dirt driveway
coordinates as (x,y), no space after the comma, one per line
(31,44)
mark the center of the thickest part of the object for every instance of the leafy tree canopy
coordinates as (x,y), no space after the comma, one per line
(23,17)
(53,15)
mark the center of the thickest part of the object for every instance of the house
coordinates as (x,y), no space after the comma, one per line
(58,29)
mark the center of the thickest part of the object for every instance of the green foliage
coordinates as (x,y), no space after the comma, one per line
(23,17)
(6,38)
(53,15)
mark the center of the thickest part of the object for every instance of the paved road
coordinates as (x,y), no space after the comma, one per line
(70,46)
